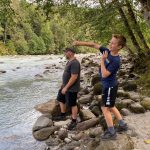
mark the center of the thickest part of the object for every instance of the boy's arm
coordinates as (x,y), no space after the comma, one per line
(105,73)
(88,44)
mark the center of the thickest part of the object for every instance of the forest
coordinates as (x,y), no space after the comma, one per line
(39,27)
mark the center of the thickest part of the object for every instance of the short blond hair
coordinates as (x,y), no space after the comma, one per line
(121,39)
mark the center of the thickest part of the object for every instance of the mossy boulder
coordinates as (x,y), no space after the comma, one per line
(95,79)
(130,86)
(97,89)
(146,103)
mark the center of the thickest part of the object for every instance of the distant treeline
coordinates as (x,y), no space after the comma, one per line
(45,27)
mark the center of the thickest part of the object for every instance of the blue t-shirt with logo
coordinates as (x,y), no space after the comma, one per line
(112,64)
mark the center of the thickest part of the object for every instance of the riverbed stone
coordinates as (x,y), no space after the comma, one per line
(146,103)
(44,133)
(96,110)
(94,132)
(2,71)
(130,86)
(62,134)
(87,124)
(51,141)
(125,112)
(85,99)
(95,79)
(77,136)
(137,108)
(86,114)
(125,103)
(123,142)
(122,93)
(97,89)
(135,96)
(51,107)
(42,122)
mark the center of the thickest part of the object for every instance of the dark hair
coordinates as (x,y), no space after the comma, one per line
(121,39)
(69,49)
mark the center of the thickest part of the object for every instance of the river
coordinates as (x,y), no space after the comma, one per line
(20,91)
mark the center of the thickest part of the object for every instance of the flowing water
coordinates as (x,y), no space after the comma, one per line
(20,91)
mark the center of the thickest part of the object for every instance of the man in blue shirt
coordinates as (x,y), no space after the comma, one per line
(109,65)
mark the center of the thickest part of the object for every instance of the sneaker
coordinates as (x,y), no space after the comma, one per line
(108,136)
(72,125)
(59,118)
(121,129)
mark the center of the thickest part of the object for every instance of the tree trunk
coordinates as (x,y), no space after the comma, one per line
(5,32)
(146,10)
(130,32)
(136,25)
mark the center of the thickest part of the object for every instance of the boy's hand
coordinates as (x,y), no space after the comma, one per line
(104,55)
(74,43)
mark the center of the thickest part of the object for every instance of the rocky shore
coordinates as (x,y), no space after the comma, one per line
(133,106)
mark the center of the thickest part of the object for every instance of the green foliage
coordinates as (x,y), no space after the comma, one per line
(3,49)
(36,46)
(46,27)
(21,47)
(11,48)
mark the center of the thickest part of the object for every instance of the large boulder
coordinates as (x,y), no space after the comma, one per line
(50,107)
(123,142)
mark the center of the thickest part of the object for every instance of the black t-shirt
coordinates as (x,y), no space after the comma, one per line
(72,67)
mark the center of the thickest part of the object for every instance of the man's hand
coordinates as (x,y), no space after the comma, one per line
(64,90)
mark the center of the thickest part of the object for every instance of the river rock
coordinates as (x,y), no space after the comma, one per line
(137,108)
(96,110)
(85,99)
(44,133)
(95,79)
(42,122)
(130,86)
(146,103)
(87,124)
(62,123)
(125,112)
(86,114)
(52,141)
(94,132)
(135,96)
(97,89)
(62,134)
(2,71)
(122,93)
(78,136)
(123,142)
(125,103)
(51,107)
